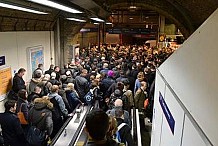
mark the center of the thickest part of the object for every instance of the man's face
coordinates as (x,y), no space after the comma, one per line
(13,109)
(22,74)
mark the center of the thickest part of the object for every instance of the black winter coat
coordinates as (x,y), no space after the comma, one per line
(12,131)
(125,133)
(105,85)
(41,117)
(81,86)
(18,83)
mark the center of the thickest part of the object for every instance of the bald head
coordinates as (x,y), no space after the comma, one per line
(118,102)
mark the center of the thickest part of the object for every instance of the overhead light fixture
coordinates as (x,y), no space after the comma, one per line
(75,19)
(4,5)
(96,23)
(108,23)
(132,7)
(97,19)
(130,18)
(56,5)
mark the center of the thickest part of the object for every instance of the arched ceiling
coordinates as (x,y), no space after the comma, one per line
(187,15)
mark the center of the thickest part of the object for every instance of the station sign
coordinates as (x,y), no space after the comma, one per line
(2,60)
(131,31)
(167,113)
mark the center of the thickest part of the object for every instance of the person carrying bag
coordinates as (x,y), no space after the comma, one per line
(21,116)
(41,124)
(35,136)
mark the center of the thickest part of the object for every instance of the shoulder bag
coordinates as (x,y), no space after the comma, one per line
(35,136)
(21,117)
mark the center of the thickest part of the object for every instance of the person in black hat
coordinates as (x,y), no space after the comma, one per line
(97,136)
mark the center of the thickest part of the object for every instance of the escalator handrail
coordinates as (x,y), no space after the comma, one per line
(80,128)
(64,125)
(139,140)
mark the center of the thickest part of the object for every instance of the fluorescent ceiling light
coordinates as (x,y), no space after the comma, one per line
(75,19)
(20,8)
(56,5)
(97,19)
(132,7)
(108,23)
(96,23)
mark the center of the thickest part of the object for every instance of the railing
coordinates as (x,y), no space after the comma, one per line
(138,131)
(71,130)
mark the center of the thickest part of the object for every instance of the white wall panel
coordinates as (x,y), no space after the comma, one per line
(190,135)
(9,49)
(192,72)
(168,138)
(157,113)
(13,45)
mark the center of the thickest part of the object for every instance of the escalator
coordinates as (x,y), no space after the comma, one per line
(72,132)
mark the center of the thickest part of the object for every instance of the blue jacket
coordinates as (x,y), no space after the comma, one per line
(137,85)
(73,99)
(60,101)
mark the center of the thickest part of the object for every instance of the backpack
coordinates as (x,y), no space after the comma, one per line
(123,97)
(89,97)
(118,137)
(56,112)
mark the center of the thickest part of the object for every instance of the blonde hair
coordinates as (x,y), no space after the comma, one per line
(112,126)
(44,100)
(54,88)
(98,76)
(70,86)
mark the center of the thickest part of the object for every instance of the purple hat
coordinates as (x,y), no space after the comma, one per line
(110,73)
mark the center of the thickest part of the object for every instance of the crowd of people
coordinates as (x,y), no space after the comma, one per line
(119,78)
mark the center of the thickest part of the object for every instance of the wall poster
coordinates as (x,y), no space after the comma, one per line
(35,57)
(5,82)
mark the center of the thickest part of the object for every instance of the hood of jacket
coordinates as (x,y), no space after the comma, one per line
(36,80)
(40,103)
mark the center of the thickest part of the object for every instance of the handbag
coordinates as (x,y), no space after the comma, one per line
(35,136)
(21,117)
